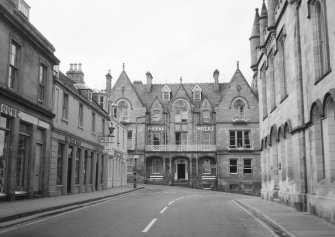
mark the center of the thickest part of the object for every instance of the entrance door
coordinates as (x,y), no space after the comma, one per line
(37,170)
(69,168)
(181,171)
(97,173)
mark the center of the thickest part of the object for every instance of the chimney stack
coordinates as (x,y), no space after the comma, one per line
(149,82)
(75,73)
(216,80)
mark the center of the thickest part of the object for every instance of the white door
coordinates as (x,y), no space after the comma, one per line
(37,170)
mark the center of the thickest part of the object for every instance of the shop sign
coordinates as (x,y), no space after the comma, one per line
(72,141)
(157,128)
(206,128)
(6,109)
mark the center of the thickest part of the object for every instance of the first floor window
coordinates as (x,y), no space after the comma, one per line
(206,116)
(156,166)
(65,109)
(13,65)
(181,138)
(42,82)
(206,138)
(233,166)
(247,166)
(156,138)
(239,139)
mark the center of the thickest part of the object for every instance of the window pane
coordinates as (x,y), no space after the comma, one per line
(247,168)
(206,138)
(246,139)
(156,165)
(233,166)
(184,138)
(232,139)
(239,139)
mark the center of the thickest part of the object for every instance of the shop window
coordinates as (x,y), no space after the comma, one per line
(247,166)
(22,157)
(65,109)
(206,138)
(233,166)
(14,65)
(206,167)
(156,166)
(4,145)
(77,166)
(60,158)
(239,139)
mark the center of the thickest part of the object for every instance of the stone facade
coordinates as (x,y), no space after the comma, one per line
(292,56)
(27,61)
(203,135)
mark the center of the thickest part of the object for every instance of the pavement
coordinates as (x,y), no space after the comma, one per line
(285,221)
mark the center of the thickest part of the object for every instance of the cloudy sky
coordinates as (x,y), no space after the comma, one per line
(169,38)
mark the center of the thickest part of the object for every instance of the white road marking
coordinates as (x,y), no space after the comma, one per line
(150,225)
(261,222)
(170,203)
(179,198)
(164,209)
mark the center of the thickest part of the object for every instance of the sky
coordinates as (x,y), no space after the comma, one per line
(169,38)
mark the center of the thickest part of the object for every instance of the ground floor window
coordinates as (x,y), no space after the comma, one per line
(4,142)
(247,166)
(233,166)
(22,157)
(156,166)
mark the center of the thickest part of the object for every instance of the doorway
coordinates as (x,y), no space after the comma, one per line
(181,171)
(69,168)
(97,173)
(37,170)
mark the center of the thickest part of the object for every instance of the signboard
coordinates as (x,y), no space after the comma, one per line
(72,141)
(6,109)
(136,156)
(156,128)
(211,128)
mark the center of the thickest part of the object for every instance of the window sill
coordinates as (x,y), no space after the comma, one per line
(283,99)
(65,120)
(322,77)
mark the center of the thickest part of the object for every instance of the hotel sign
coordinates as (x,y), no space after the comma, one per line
(156,128)
(211,128)
(6,109)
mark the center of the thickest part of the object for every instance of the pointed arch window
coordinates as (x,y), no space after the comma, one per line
(320,32)
(124,110)
(239,106)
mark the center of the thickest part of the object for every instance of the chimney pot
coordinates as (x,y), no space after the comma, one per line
(71,66)
(79,67)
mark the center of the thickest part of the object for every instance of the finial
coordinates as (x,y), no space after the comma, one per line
(109,71)
(238,65)
(123,66)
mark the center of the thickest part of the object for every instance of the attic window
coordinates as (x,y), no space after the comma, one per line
(197,95)
(166,95)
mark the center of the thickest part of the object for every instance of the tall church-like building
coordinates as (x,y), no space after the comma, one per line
(292,57)
(200,135)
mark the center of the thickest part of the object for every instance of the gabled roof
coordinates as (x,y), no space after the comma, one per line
(166,88)
(196,88)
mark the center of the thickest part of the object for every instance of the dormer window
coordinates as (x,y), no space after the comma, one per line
(101,102)
(166,92)
(196,92)
(89,96)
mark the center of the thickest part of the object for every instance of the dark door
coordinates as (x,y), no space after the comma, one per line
(69,168)
(181,171)
(97,173)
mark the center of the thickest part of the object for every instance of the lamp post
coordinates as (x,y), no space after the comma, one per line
(136,156)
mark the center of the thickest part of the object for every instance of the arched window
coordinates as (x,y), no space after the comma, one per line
(239,106)
(124,110)
(181,115)
(321,50)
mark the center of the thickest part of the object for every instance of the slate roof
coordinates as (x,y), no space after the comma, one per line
(156,91)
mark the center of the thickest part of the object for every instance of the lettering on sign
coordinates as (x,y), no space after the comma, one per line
(6,109)
(72,141)
(157,128)
(206,128)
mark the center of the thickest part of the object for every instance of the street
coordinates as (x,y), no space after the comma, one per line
(155,211)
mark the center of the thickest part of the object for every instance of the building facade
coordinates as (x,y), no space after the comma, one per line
(81,155)
(26,70)
(200,135)
(292,57)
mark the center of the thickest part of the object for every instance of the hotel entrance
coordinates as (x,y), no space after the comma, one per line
(181,169)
